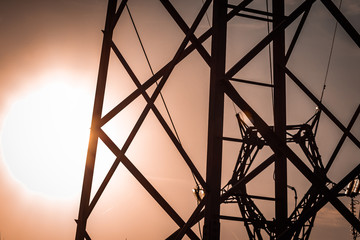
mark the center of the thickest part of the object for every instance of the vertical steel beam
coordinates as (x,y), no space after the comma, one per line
(280,117)
(215,121)
(95,126)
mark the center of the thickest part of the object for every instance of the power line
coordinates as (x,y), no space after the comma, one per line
(330,55)
(162,98)
(152,72)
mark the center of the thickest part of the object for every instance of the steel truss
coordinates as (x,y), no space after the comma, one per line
(253,138)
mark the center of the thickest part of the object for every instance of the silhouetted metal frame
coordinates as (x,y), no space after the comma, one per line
(281,148)
(220,85)
(215,121)
(279,112)
(97,111)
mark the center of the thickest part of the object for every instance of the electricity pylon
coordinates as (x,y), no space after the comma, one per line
(255,135)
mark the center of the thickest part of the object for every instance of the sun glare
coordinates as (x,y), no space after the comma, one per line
(44,138)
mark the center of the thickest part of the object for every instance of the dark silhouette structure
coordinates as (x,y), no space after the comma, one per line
(254,137)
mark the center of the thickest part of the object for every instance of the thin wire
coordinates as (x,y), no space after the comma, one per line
(147,59)
(162,98)
(330,55)
(235,110)
(207,17)
(270,59)
(197,184)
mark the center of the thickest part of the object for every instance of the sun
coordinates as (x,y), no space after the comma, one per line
(45,135)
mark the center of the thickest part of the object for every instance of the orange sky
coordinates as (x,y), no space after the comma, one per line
(41,36)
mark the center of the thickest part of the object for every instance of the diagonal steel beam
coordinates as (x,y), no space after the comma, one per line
(248,177)
(355,36)
(322,107)
(256,11)
(161,120)
(87,236)
(135,94)
(112,113)
(296,35)
(182,24)
(331,194)
(342,140)
(270,37)
(235,187)
(281,148)
(144,182)
(118,13)
(150,104)
(344,211)
(83,212)
(191,220)
(157,91)
(251,82)
(103,185)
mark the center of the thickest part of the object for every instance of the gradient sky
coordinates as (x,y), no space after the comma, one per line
(39,38)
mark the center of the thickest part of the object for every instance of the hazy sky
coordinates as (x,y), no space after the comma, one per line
(47,42)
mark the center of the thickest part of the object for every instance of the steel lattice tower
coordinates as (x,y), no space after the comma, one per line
(254,137)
